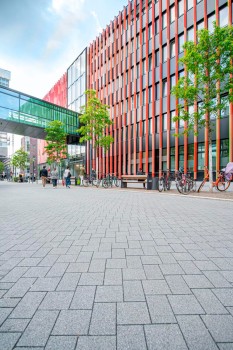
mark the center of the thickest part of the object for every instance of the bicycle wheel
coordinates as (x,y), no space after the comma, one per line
(201,185)
(168,184)
(184,186)
(98,183)
(160,184)
(194,186)
(223,185)
(94,182)
(117,182)
(85,182)
(105,183)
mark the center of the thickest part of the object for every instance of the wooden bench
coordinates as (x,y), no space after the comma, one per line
(125,179)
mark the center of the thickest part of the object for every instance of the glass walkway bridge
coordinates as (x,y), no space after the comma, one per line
(26,115)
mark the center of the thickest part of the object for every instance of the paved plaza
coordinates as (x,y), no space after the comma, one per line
(96,269)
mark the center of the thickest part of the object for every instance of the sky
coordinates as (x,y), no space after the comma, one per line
(39,39)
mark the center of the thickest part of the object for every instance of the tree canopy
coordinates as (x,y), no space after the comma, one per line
(2,167)
(94,120)
(205,90)
(20,159)
(56,148)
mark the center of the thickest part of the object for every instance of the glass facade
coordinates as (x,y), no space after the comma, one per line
(28,110)
(77,84)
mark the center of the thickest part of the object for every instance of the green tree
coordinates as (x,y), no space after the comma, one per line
(207,81)
(20,159)
(94,119)
(2,167)
(56,148)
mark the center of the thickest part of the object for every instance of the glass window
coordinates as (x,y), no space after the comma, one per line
(157,91)
(164,88)
(157,58)
(172,123)
(172,14)
(143,36)
(172,81)
(172,49)
(164,53)
(181,74)
(190,34)
(200,25)
(150,126)
(189,4)
(157,124)
(180,8)
(180,43)
(181,156)
(143,67)
(224,153)
(211,19)
(164,20)
(143,97)
(201,156)
(157,26)
(150,31)
(172,158)
(150,94)
(164,121)
(150,63)
(191,157)
(223,16)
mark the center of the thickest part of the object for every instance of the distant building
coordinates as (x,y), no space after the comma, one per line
(5,77)
(29,145)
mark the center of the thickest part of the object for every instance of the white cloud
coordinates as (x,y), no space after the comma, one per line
(98,25)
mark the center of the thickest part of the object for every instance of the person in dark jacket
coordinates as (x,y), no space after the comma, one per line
(44,175)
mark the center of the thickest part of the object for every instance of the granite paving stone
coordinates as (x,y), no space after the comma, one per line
(195,333)
(160,309)
(72,322)
(132,313)
(114,270)
(161,337)
(61,343)
(83,297)
(39,329)
(96,342)
(103,320)
(220,327)
(131,338)
(28,305)
(185,305)
(106,294)
(56,301)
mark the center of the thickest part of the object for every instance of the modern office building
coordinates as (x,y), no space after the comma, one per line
(5,77)
(29,145)
(133,64)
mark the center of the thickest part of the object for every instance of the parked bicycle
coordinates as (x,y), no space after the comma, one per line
(223,179)
(91,181)
(184,182)
(110,180)
(165,182)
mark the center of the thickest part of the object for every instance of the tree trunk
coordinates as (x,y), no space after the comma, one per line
(210,163)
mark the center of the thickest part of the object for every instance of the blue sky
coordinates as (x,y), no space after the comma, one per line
(40,39)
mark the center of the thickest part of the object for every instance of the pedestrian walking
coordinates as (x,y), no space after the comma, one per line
(81,175)
(54,177)
(67,176)
(44,175)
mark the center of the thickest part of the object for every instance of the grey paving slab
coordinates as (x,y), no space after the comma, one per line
(161,337)
(56,301)
(61,343)
(160,309)
(195,333)
(39,329)
(103,320)
(220,327)
(8,340)
(83,297)
(72,322)
(96,342)
(185,305)
(28,305)
(131,338)
(132,313)
(106,294)
(130,266)
(133,291)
